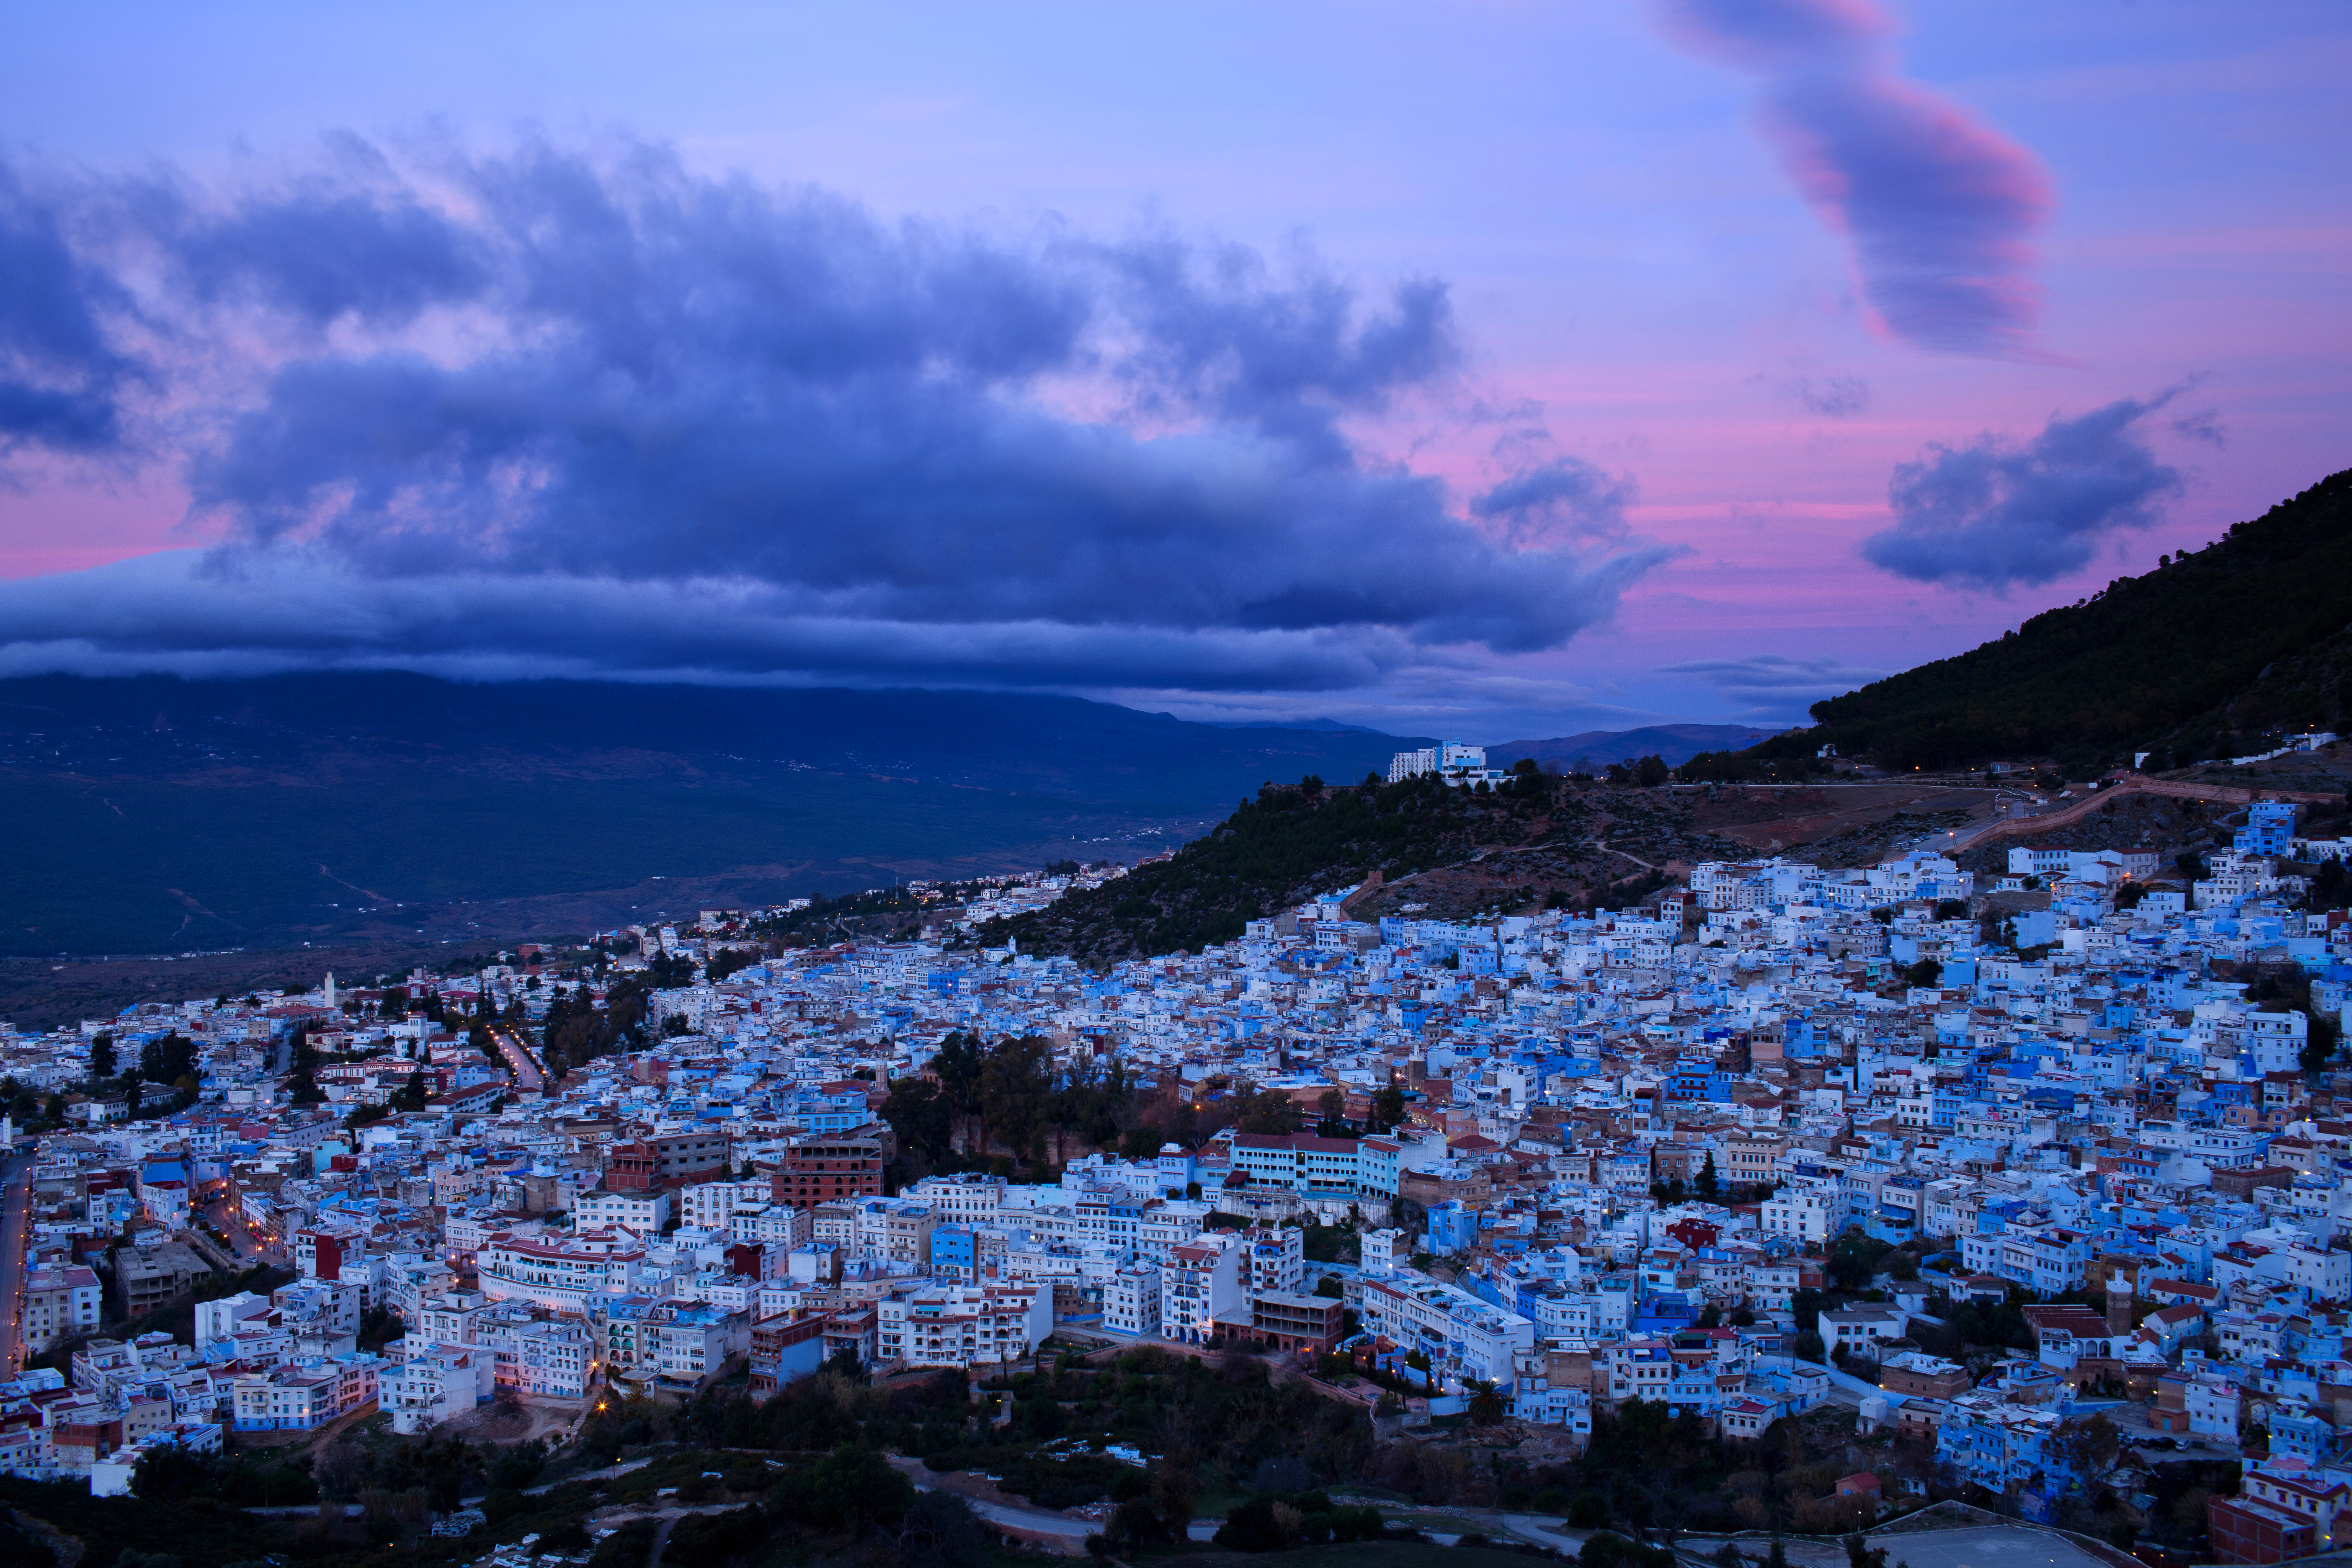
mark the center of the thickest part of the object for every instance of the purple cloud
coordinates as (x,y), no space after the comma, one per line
(1939,207)
(689,424)
(1994,513)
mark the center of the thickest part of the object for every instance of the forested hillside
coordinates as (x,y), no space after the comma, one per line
(2194,659)
(1539,840)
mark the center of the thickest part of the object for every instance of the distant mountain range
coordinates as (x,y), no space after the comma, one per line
(1673,742)
(2195,660)
(157,815)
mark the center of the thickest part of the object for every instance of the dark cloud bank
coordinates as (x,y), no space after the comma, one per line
(545,414)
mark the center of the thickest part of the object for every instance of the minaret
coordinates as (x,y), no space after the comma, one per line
(331,988)
(2119,1301)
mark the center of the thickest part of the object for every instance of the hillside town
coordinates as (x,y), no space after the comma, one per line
(1976,1159)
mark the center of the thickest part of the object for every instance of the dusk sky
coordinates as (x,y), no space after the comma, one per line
(1486,369)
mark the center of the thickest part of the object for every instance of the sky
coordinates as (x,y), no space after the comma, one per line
(1487,370)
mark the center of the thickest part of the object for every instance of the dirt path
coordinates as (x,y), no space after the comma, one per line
(2174,789)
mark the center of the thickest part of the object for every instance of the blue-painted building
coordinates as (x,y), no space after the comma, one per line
(954,1253)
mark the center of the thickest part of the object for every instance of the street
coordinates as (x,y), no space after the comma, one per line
(16,1225)
(520,1063)
(241,1237)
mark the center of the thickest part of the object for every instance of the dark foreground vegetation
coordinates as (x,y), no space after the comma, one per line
(837,1469)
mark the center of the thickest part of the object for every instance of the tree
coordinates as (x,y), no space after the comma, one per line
(1259,1525)
(168,1473)
(174,1058)
(102,1055)
(939,1530)
(411,1096)
(2091,1449)
(920,1112)
(1016,1092)
(2319,1044)
(1134,1525)
(1710,1186)
(1853,1259)
(1175,1483)
(1925,973)
(1332,1106)
(1265,1110)
(958,1066)
(1609,1550)
(853,1486)
(1388,1109)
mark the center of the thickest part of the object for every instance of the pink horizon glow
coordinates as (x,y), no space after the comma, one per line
(1640,244)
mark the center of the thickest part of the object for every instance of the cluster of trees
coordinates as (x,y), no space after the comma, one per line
(1746,767)
(1007,1104)
(168,1059)
(1275,1523)
(576,1030)
(27,1108)
(1709,1187)
(666,971)
(2173,656)
(1007,1095)
(2287,988)
(1206,1422)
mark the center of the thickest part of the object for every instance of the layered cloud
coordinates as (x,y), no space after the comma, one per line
(541,411)
(1995,513)
(1939,209)
(1771,686)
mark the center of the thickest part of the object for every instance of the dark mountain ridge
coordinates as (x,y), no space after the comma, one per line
(2251,634)
(151,724)
(155,814)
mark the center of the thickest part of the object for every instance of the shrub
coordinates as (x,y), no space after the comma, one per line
(1261,1524)
(941,1530)
(1608,1551)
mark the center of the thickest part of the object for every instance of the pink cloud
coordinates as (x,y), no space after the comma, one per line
(1937,207)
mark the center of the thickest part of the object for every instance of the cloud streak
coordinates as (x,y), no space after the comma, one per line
(1939,209)
(613,416)
(1772,685)
(1994,513)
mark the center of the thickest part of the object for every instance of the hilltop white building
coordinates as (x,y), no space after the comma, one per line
(1457,764)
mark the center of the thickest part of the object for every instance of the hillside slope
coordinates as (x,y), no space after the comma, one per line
(1453,854)
(2245,635)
